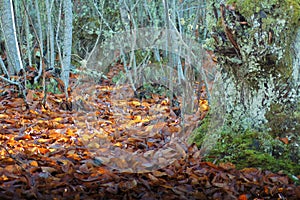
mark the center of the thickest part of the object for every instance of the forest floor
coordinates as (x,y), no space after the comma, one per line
(48,152)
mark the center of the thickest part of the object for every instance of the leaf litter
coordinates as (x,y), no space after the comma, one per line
(44,155)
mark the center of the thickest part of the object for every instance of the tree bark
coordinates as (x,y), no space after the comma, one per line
(40,39)
(9,31)
(124,15)
(296,58)
(256,66)
(28,35)
(50,36)
(67,43)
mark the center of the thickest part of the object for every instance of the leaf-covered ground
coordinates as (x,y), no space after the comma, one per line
(45,153)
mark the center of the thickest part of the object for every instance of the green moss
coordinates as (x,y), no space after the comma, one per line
(265,161)
(284,120)
(246,7)
(288,8)
(198,135)
(293,8)
(249,149)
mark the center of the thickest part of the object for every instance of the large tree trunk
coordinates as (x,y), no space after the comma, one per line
(254,54)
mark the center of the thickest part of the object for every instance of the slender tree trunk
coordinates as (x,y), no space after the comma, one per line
(28,36)
(67,43)
(124,15)
(50,36)
(40,39)
(9,32)
(296,58)
(57,41)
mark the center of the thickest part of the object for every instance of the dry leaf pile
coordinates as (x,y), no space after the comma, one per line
(47,152)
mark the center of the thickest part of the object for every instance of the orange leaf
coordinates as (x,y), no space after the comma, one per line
(4,116)
(118,144)
(227,165)
(135,103)
(243,197)
(284,140)
(29,96)
(34,163)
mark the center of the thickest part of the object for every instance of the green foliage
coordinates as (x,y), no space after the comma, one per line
(51,86)
(120,75)
(34,86)
(88,24)
(147,89)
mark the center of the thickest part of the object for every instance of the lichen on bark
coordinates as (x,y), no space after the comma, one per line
(257,45)
(253,40)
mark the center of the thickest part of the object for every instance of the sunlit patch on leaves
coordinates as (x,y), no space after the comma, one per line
(141,120)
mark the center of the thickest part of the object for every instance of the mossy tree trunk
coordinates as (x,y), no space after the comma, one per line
(257,45)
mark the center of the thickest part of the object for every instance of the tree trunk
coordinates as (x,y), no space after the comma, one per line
(50,36)
(67,47)
(253,52)
(40,39)
(9,32)
(28,34)
(296,58)
(124,15)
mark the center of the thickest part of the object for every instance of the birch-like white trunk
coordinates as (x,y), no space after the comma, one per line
(28,36)
(50,35)
(296,60)
(124,15)
(67,44)
(9,31)
(40,35)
